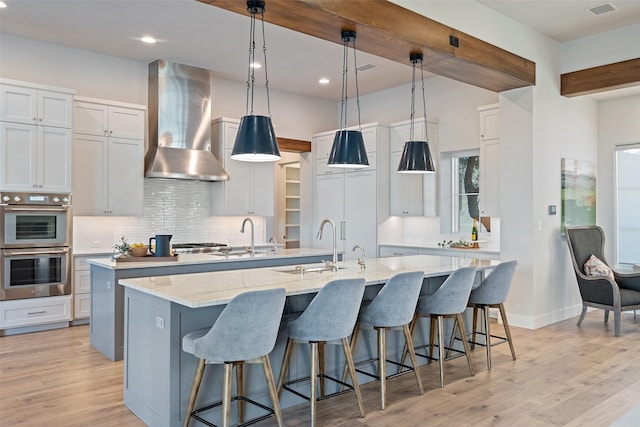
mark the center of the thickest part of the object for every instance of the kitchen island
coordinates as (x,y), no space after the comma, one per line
(107,297)
(159,311)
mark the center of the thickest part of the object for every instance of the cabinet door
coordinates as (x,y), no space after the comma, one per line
(360,219)
(431,180)
(126,123)
(406,190)
(490,178)
(90,118)
(321,145)
(55,109)
(329,204)
(90,156)
(18,104)
(125,177)
(54,159)
(18,157)
(489,124)
(237,191)
(262,188)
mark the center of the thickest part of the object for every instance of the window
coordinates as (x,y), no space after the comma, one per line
(465,170)
(628,204)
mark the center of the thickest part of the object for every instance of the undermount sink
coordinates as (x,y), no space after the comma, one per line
(308,268)
(239,254)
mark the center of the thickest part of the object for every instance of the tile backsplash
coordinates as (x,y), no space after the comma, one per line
(171,206)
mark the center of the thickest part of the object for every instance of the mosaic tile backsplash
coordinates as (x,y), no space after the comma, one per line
(171,206)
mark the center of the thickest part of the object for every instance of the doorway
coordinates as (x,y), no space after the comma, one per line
(289,204)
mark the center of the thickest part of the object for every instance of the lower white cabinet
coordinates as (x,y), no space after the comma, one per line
(34,311)
(81,287)
(391,251)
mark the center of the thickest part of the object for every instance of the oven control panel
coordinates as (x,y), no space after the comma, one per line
(44,199)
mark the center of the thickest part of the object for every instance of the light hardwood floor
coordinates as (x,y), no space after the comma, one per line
(564,376)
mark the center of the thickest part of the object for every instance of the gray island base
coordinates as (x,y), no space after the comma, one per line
(107,297)
(159,311)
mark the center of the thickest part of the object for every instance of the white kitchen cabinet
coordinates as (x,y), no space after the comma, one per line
(489,160)
(392,251)
(35,158)
(28,103)
(250,189)
(82,286)
(34,311)
(413,194)
(35,137)
(108,152)
(101,118)
(107,176)
(357,201)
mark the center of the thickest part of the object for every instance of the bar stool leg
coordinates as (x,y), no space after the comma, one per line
(475,328)
(487,331)
(352,370)
(321,366)
(195,386)
(382,365)
(412,327)
(226,394)
(313,377)
(240,390)
(412,353)
(465,343)
(503,313)
(271,385)
(434,321)
(285,365)
(440,347)
(354,344)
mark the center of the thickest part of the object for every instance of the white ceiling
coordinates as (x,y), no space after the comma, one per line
(193,33)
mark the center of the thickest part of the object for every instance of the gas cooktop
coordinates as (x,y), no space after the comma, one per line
(196,248)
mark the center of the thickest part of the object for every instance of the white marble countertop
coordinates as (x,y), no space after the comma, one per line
(215,288)
(492,250)
(185,259)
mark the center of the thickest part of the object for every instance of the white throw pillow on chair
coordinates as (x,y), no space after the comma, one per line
(594,267)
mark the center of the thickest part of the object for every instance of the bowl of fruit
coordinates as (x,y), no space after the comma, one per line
(139,249)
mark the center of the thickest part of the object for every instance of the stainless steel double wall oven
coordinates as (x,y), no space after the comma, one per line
(35,245)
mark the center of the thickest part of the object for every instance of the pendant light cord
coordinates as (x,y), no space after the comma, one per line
(424,103)
(355,68)
(343,93)
(413,102)
(251,74)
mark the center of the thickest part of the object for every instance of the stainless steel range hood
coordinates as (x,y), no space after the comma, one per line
(180,124)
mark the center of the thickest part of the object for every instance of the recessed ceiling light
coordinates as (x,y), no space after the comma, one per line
(148,40)
(324,81)
(2,5)
(255,65)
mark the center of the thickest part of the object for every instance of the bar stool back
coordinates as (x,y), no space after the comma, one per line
(245,332)
(330,316)
(392,308)
(450,300)
(492,293)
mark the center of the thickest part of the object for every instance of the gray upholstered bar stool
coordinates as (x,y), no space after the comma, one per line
(245,332)
(450,300)
(492,293)
(392,308)
(330,316)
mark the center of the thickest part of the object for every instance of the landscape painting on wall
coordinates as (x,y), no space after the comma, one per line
(578,193)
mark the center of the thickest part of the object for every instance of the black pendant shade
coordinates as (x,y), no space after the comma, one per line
(416,158)
(256,140)
(348,150)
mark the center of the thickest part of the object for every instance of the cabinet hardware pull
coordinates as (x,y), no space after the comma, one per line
(37,312)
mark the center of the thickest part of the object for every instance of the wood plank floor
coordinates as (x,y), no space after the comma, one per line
(564,376)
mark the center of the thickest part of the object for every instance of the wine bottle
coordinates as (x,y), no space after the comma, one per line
(474,231)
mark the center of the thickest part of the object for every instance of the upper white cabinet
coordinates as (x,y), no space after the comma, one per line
(356,200)
(489,160)
(108,171)
(250,189)
(35,104)
(35,137)
(96,118)
(413,194)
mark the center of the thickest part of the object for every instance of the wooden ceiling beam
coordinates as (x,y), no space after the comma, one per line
(391,31)
(599,79)
(294,145)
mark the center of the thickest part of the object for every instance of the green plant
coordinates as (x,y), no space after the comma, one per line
(123,247)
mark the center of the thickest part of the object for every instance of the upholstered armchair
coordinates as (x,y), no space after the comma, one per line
(622,293)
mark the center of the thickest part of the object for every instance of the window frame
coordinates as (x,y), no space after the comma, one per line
(455,185)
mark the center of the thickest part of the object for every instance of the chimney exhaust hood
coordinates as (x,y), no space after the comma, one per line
(180,124)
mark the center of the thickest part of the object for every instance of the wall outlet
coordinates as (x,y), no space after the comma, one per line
(160,322)
(96,244)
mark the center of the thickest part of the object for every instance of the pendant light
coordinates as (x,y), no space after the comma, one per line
(416,157)
(256,140)
(348,146)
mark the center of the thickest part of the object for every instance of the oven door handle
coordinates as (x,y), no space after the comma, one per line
(35,209)
(8,254)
